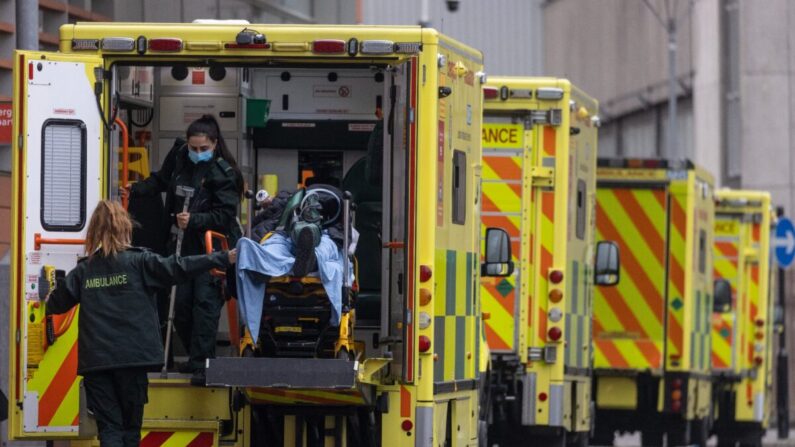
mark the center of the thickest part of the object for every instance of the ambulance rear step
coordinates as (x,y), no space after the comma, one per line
(290,373)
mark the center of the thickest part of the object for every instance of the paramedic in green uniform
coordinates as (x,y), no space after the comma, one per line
(119,333)
(205,164)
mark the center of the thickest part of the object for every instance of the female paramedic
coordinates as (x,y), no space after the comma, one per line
(204,164)
(119,339)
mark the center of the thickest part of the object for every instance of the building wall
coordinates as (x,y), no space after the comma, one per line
(737,87)
(508,32)
(617,50)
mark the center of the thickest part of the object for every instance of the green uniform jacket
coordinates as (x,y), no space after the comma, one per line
(215,200)
(118,325)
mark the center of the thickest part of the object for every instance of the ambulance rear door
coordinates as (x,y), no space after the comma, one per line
(504,165)
(57,180)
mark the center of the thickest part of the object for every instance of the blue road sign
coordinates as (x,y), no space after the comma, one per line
(784,242)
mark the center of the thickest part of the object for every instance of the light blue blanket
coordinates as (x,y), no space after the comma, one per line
(275,257)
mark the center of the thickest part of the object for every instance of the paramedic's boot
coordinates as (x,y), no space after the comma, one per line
(306,237)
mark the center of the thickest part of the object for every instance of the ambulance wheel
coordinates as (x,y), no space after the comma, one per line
(603,437)
(553,438)
(577,439)
(651,437)
(680,435)
(752,440)
(700,432)
(725,441)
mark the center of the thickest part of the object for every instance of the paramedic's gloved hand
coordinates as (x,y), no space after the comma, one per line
(182,220)
(60,283)
(232,256)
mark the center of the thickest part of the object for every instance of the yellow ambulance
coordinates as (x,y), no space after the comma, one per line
(539,183)
(652,368)
(742,319)
(294,103)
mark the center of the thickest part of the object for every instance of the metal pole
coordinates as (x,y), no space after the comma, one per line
(425,14)
(782,358)
(673,151)
(27,24)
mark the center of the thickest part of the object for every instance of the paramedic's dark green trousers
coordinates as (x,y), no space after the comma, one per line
(196,313)
(117,398)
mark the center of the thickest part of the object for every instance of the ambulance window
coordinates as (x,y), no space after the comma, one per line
(581,194)
(702,251)
(459,187)
(63,176)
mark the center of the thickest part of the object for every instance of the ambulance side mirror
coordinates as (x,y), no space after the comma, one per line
(608,265)
(498,254)
(723,296)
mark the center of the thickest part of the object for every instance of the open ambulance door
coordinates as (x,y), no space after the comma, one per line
(57,181)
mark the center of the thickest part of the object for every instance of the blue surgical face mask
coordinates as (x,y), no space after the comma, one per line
(200,157)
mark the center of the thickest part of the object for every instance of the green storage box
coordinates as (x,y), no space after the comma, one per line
(257,111)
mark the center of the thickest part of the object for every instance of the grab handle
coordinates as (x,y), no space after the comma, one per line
(38,241)
(125,159)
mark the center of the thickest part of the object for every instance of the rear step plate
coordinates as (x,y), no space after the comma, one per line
(299,373)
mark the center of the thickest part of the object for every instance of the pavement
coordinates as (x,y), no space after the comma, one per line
(770,440)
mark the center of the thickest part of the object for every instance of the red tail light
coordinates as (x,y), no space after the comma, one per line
(542,397)
(676,384)
(556,276)
(425,273)
(651,163)
(554,333)
(758,361)
(328,46)
(490,93)
(424,343)
(165,44)
(759,322)
(676,406)
(407,425)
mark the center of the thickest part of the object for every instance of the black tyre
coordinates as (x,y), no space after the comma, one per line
(700,432)
(652,437)
(554,438)
(680,435)
(603,437)
(577,439)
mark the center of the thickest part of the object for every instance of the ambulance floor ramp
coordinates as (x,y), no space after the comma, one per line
(263,372)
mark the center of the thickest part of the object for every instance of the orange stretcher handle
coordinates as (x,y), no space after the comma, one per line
(208,243)
(231,306)
(38,241)
(125,159)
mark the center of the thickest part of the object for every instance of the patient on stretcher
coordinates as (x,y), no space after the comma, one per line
(303,236)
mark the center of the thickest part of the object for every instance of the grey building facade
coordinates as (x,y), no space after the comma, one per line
(735,86)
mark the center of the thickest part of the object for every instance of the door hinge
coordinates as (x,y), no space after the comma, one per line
(553,117)
(20,141)
(18,336)
(542,176)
